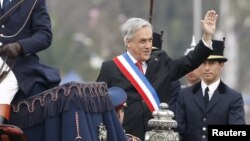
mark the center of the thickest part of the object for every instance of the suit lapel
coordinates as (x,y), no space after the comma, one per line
(214,100)
(198,98)
(152,65)
(217,96)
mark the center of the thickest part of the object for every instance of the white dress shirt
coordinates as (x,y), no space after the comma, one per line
(212,87)
(144,64)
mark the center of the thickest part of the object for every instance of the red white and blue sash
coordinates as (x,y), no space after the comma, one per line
(138,80)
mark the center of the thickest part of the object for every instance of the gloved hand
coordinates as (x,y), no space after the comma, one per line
(11,50)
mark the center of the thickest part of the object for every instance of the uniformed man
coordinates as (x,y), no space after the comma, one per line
(25,30)
(210,101)
(118,97)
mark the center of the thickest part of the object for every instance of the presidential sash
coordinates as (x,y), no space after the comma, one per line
(138,80)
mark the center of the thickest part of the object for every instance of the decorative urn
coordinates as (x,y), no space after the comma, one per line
(162,125)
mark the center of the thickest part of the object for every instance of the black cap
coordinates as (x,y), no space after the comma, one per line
(218,51)
(157,41)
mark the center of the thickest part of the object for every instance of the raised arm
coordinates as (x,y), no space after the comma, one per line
(209,26)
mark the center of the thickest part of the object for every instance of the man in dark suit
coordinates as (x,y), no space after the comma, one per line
(25,31)
(210,101)
(158,69)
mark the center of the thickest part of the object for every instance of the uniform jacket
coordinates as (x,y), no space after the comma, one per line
(161,72)
(225,107)
(29,24)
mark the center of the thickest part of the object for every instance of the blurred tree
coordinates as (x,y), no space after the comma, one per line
(87,32)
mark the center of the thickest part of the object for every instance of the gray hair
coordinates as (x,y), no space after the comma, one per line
(131,26)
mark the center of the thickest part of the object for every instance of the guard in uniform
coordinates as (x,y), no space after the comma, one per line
(25,30)
(118,97)
(208,102)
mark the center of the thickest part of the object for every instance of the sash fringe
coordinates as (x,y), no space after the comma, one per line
(91,97)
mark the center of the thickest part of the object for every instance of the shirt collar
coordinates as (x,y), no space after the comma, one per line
(134,60)
(212,87)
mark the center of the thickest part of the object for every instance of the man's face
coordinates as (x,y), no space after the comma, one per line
(120,114)
(140,46)
(211,71)
(194,76)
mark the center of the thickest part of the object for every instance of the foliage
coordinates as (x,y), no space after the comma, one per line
(86,28)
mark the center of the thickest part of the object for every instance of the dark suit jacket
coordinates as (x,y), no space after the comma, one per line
(225,107)
(161,72)
(35,36)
